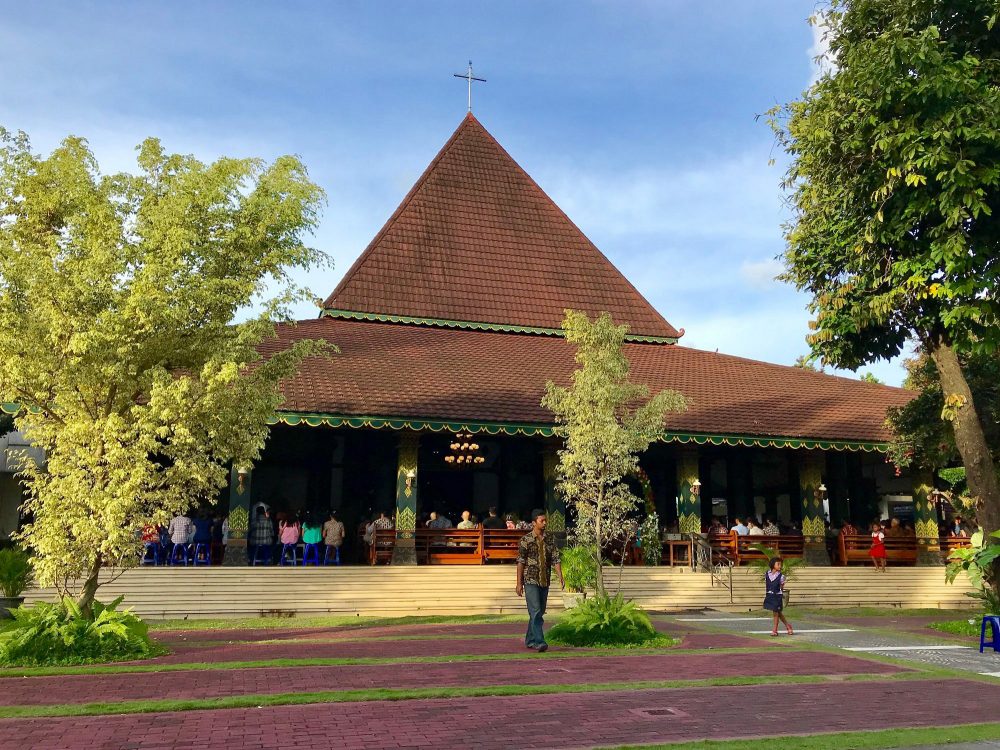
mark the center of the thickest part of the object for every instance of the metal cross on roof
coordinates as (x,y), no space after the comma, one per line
(467,75)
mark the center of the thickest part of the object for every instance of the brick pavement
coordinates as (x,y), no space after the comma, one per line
(578,670)
(551,721)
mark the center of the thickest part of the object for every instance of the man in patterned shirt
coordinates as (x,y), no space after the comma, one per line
(536,555)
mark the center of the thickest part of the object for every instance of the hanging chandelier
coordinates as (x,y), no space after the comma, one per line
(464,452)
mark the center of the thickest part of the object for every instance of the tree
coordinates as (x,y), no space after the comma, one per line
(118,295)
(605,421)
(894,185)
(870,377)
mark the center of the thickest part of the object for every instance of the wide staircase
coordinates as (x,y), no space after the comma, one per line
(457,590)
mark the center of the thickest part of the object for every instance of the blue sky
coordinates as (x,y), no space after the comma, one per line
(637,117)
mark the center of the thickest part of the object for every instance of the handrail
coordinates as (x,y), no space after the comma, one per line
(706,557)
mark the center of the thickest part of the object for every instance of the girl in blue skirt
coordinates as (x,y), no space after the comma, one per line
(774,598)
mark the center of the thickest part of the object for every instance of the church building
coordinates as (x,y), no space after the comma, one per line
(448,326)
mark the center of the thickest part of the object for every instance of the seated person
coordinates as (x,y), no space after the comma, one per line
(753,529)
(438,522)
(492,521)
(466,522)
(508,521)
(716,526)
(740,528)
(771,528)
(895,529)
(848,529)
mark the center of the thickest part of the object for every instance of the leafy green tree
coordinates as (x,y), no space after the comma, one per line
(118,296)
(895,185)
(606,421)
(869,377)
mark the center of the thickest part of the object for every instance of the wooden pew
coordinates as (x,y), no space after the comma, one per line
(784,545)
(450,546)
(901,550)
(380,550)
(501,544)
(950,543)
(723,547)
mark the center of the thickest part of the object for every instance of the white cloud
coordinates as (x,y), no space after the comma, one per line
(761,274)
(819,52)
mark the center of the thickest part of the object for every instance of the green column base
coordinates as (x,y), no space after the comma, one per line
(814,553)
(929,553)
(236,553)
(405,550)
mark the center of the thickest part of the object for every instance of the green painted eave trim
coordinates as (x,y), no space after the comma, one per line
(547,430)
(472,325)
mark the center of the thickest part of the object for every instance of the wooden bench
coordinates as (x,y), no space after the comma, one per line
(949,544)
(500,545)
(784,545)
(723,547)
(450,546)
(901,550)
(380,550)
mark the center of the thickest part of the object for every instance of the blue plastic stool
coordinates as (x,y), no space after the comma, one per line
(284,554)
(994,622)
(262,554)
(203,553)
(183,549)
(151,554)
(311,550)
(336,555)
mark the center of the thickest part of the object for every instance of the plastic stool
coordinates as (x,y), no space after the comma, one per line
(151,554)
(202,553)
(284,552)
(994,622)
(336,555)
(182,548)
(311,550)
(262,555)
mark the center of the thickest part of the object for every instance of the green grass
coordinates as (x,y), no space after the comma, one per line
(875,612)
(326,621)
(356,661)
(968,626)
(393,694)
(659,641)
(873,739)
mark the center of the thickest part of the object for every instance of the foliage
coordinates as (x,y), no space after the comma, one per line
(759,567)
(579,568)
(118,296)
(977,562)
(649,540)
(6,423)
(606,421)
(15,572)
(62,633)
(604,621)
(870,377)
(895,189)
(969,626)
(921,437)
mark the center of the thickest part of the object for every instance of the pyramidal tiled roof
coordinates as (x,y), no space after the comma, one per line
(476,239)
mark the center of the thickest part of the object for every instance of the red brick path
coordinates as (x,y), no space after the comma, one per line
(541,671)
(550,721)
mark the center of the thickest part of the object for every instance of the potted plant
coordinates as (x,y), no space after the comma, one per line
(15,575)
(579,572)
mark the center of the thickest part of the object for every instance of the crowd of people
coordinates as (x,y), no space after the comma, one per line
(294,538)
(891,527)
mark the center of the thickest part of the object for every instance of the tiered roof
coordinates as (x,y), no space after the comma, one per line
(450,318)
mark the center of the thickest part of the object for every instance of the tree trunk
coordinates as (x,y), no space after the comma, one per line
(89,591)
(980,472)
(599,540)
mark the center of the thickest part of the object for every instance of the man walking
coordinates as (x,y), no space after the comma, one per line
(536,555)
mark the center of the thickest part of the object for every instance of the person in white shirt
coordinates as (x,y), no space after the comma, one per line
(753,529)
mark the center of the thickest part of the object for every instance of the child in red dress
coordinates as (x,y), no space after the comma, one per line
(877,551)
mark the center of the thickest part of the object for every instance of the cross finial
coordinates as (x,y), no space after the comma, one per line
(467,75)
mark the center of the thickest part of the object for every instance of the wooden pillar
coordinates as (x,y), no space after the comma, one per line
(688,491)
(555,504)
(239,516)
(405,550)
(811,466)
(925,520)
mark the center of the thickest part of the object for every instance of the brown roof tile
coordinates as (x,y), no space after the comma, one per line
(391,370)
(477,240)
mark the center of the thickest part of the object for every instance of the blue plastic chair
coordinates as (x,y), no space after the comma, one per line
(285,548)
(151,554)
(203,553)
(336,555)
(183,549)
(994,623)
(262,555)
(311,550)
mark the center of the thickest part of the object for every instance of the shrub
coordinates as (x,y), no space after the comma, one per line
(15,572)
(60,633)
(609,622)
(579,568)
(649,540)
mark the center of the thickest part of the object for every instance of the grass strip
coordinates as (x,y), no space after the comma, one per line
(394,694)
(327,621)
(863,740)
(353,661)
(970,627)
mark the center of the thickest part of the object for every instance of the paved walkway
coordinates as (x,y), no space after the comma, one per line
(903,645)
(546,721)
